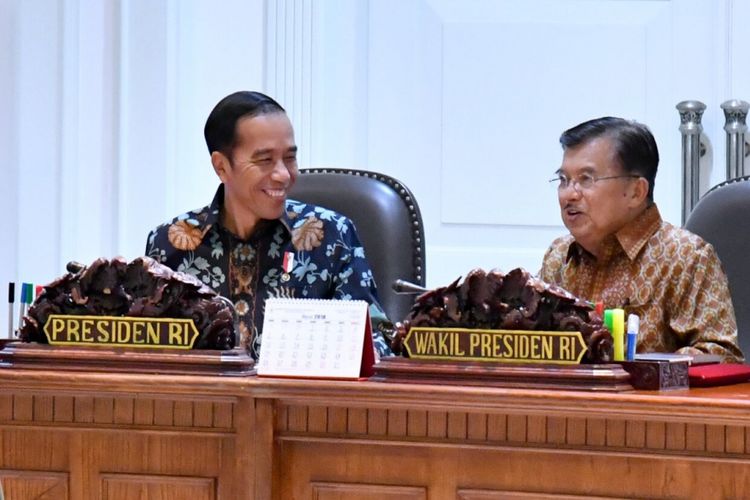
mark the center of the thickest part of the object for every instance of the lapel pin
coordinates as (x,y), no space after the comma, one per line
(287,266)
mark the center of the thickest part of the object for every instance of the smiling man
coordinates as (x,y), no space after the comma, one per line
(252,243)
(621,252)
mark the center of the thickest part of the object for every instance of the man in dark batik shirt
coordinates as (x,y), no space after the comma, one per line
(251,242)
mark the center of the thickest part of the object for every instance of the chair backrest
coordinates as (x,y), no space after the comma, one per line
(388,222)
(722,217)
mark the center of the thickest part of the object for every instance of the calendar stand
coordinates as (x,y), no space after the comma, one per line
(311,338)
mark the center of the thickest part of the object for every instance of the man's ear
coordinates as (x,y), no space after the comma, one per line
(221,165)
(640,191)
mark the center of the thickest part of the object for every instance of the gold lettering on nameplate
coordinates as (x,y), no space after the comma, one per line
(120,331)
(500,346)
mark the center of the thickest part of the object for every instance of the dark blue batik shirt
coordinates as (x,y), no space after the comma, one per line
(323,255)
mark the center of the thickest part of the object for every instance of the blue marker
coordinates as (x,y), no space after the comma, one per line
(634,324)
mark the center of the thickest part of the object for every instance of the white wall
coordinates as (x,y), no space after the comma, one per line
(464,101)
(102,106)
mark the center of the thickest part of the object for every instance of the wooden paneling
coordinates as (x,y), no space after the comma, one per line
(139,436)
(397,423)
(468,494)
(457,426)
(377,421)
(538,473)
(337,418)
(30,449)
(139,487)
(62,408)
(437,424)
(514,429)
(735,439)
(514,444)
(344,491)
(122,410)
(43,408)
(102,436)
(31,485)
(357,422)
(616,433)
(477,427)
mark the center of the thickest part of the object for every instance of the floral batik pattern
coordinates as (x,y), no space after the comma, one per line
(328,262)
(669,277)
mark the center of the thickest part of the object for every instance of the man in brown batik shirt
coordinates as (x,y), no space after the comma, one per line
(621,252)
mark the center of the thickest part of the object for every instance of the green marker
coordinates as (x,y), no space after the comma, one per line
(608,319)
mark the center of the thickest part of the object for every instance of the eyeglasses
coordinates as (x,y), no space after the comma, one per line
(585,181)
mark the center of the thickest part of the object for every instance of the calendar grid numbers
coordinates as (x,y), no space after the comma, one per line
(314,338)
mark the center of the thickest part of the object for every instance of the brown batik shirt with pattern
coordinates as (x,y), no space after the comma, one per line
(669,277)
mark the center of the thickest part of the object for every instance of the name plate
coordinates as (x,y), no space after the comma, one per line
(120,331)
(500,346)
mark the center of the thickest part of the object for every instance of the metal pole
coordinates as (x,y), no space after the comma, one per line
(735,113)
(690,128)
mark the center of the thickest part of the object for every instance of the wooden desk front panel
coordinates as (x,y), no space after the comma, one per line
(390,449)
(91,436)
(96,444)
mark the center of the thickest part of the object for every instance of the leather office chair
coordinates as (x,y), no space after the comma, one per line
(388,223)
(722,217)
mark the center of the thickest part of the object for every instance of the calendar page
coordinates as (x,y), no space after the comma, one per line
(316,338)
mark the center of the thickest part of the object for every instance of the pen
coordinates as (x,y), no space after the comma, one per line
(599,307)
(27,297)
(11,300)
(633,327)
(607,319)
(21,303)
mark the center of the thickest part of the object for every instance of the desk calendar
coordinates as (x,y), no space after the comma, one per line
(316,338)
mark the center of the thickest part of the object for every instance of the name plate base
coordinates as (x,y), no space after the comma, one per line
(32,356)
(599,378)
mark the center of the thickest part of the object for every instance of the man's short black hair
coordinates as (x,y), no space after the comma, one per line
(635,146)
(222,122)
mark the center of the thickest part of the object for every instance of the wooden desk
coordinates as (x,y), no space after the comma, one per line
(369,441)
(114,436)
(107,436)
